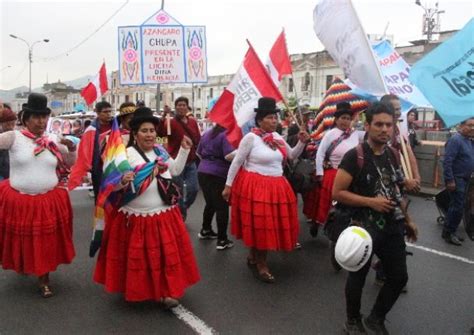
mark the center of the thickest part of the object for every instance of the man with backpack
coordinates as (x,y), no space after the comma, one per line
(372,194)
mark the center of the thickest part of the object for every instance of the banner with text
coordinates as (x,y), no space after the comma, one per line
(162,50)
(446,76)
(396,71)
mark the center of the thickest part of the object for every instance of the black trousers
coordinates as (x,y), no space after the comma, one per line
(212,187)
(390,249)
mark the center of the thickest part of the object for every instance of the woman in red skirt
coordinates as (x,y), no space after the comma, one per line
(332,148)
(146,253)
(35,210)
(264,209)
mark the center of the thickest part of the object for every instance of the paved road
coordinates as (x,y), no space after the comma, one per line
(307,298)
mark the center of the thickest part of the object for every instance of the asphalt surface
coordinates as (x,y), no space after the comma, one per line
(308,297)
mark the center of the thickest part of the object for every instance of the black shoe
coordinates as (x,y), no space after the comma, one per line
(224,244)
(453,239)
(444,234)
(460,238)
(376,325)
(207,235)
(314,229)
(354,326)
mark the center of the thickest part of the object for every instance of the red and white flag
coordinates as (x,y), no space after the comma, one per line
(279,63)
(97,87)
(235,106)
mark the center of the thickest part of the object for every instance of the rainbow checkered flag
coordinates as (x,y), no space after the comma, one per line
(115,165)
(336,93)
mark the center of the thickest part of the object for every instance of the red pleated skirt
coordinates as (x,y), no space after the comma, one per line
(146,257)
(35,230)
(325,196)
(310,203)
(264,211)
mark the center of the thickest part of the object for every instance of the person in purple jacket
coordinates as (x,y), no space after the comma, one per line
(215,153)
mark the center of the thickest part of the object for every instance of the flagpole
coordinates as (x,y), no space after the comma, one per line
(297,101)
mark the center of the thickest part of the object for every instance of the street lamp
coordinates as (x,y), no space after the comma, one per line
(30,51)
(430,23)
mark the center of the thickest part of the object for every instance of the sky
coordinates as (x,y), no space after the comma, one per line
(228,24)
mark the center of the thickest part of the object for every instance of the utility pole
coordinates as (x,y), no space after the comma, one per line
(431,22)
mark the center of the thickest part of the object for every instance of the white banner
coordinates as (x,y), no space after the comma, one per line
(337,26)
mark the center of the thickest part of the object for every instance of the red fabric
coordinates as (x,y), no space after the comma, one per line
(264,211)
(271,141)
(146,258)
(177,133)
(325,197)
(223,112)
(37,236)
(85,151)
(96,88)
(311,202)
(279,56)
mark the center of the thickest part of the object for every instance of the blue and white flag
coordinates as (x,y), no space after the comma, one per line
(446,76)
(395,71)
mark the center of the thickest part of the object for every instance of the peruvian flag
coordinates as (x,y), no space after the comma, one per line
(278,63)
(97,87)
(236,105)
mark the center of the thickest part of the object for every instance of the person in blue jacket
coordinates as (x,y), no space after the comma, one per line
(458,166)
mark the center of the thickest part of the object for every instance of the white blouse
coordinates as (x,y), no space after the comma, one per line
(150,202)
(30,174)
(336,156)
(256,156)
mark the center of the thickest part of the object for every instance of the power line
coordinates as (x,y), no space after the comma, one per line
(67,52)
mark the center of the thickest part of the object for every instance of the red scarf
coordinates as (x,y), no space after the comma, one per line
(271,141)
(44,143)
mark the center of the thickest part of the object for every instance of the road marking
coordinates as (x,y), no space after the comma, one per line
(441,253)
(192,321)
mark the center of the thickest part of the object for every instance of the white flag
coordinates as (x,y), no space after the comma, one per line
(337,26)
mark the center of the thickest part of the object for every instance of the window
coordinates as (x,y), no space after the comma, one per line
(161,96)
(172,96)
(114,83)
(211,93)
(290,84)
(306,82)
(127,98)
(199,93)
(329,79)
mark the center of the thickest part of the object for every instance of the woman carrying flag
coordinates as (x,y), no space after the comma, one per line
(36,236)
(264,209)
(146,252)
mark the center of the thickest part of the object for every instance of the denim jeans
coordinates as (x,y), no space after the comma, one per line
(188,182)
(456,205)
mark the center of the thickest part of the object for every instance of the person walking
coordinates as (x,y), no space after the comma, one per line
(371,193)
(7,123)
(215,153)
(146,252)
(36,237)
(334,145)
(183,125)
(458,167)
(264,209)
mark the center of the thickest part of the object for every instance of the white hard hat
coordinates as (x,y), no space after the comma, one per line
(353,248)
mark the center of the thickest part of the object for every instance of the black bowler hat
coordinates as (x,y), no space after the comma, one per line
(343,108)
(265,107)
(142,115)
(37,104)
